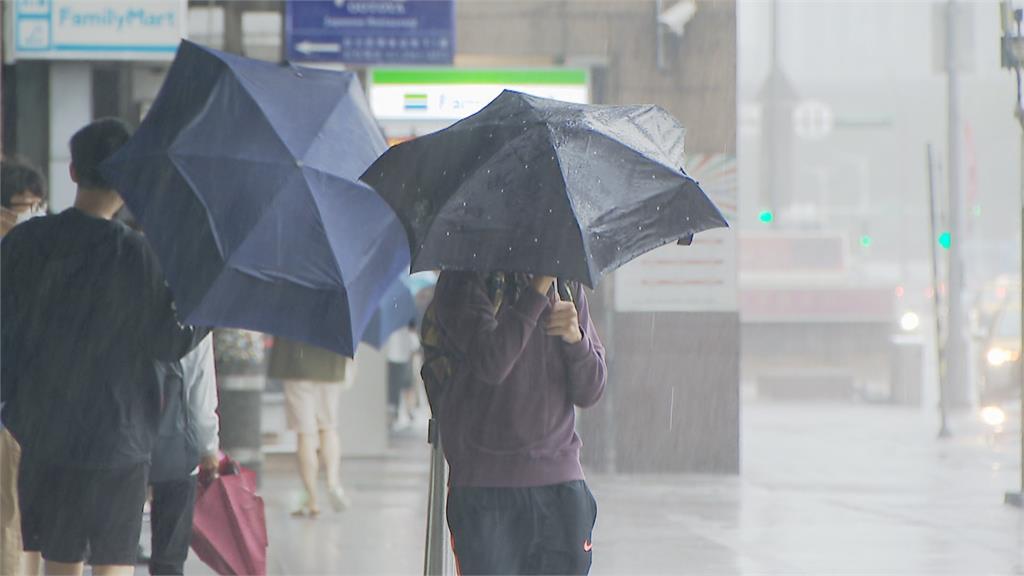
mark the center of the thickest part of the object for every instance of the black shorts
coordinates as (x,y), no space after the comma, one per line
(69,512)
(542,530)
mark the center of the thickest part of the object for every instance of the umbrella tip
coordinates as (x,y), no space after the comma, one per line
(289,64)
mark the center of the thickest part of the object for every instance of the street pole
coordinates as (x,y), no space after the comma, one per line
(940,341)
(958,386)
(778,99)
(1017,498)
(435,553)
(1012,53)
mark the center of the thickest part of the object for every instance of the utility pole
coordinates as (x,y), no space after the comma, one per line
(1013,58)
(778,98)
(940,336)
(957,373)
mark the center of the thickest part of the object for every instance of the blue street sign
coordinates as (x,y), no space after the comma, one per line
(370,31)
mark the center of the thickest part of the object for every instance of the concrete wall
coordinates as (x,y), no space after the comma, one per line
(363,417)
(673,396)
(67,116)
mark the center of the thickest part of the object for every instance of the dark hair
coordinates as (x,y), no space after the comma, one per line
(17,176)
(93,144)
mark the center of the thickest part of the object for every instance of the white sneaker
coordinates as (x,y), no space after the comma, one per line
(339,501)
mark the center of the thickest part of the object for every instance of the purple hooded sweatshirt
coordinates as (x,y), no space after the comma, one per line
(508,418)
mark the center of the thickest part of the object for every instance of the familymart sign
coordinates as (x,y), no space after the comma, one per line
(97,29)
(454,93)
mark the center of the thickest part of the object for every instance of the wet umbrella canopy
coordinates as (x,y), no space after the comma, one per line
(535,185)
(243,176)
(396,311)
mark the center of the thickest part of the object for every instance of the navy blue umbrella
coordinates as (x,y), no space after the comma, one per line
(397,310)
(244,178)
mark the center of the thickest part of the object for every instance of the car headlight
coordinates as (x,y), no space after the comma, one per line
(998,356)
(993,416)
(910,321)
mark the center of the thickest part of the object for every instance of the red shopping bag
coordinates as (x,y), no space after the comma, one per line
(229,529)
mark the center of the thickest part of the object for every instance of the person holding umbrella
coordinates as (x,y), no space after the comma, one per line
(86,312)
(313,379)
(518,502)
(188,444)
(526,190)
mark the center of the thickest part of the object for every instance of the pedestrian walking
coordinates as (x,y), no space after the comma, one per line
(402,347)
(521,360)
(23,196)
(313,381)
(188,442)
(86,312)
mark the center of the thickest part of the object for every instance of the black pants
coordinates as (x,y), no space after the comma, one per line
(68,513)
(542,530)
(171,518)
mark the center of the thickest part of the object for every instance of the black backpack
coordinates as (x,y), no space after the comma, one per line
(439,355)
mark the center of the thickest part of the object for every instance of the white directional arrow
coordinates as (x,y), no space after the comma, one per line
(306,47)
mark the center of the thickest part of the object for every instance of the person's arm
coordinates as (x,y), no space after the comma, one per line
(350,374)
(582,348)
(491,344)
(9,318)
(201,382)
(167,338)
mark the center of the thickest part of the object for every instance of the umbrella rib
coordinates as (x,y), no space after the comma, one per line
(480,166)
(572,205)
(259,106)
(644,155)
(377,149)
(320,212)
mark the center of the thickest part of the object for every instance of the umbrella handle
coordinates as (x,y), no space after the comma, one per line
(564,292)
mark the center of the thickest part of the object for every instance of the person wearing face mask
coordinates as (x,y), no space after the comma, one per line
(22,196)
(23,193)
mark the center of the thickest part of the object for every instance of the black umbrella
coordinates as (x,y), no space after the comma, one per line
(244,178)
(541,186)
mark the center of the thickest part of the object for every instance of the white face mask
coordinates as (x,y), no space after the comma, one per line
(30,214)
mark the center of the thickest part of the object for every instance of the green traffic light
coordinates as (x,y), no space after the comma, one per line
(945,240)
(766,216)
(865,241)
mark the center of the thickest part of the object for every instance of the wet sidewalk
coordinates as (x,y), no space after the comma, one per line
(824,489)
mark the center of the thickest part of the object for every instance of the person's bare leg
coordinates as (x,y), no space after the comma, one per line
(411,402)
(330,445)
(308,466)
(51,568)
(31,562)
(113,570)
(330,449)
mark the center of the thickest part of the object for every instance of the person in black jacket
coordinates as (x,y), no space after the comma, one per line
(85,312)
